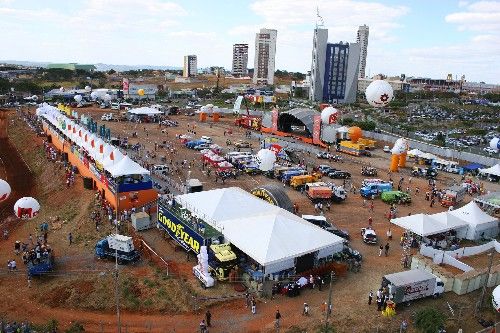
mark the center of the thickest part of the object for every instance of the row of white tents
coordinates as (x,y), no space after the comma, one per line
(107,155)
(492,171)
(469,221)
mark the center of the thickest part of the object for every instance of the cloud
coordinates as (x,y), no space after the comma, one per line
(479,16)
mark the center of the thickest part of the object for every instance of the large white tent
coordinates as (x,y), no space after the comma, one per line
(494,170)
(270,235)
(145,111)
(480,223)
(421,224)
(453,222)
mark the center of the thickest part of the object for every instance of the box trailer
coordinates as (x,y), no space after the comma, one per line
(412,285)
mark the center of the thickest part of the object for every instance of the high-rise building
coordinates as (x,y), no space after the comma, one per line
(341,73)
(190,66)
(320,40)
(240,60)
(265,52)
(362,39)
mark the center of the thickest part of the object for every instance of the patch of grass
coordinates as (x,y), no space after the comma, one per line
(148,303)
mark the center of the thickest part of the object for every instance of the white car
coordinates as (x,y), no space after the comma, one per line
(387,149)
(161,168)
(369,236)
(207,139)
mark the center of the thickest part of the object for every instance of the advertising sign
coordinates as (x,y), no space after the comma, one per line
(418,290)
(274,114)
(317,129)
(180,232)
(125,86)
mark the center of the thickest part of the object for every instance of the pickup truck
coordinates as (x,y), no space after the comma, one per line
(373,190)
(117,246)
(41,267)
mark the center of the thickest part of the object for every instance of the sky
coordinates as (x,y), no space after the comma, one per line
(428,38)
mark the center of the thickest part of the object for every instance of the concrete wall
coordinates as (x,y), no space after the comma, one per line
(462,283)
(436,150)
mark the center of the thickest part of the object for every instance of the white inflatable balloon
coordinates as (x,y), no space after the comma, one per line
(400,146)
(88,88)
(495,144)
(107,98)
(379,93)
(5,190)
(78,98)
(266,159)
(329,115)
(26,208)
(495,299)
(94,95)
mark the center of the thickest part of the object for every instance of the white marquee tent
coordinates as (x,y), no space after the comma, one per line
(126,167)
(421,224)
(480,223)
(494,170)
(145,111)
(453,222)
(270,235)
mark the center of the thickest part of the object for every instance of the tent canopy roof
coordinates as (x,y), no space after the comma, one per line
(473,166)
(472,214)
(145,111)
(494,170)
(127,167)
(266,233)
(449,220)
(421,224)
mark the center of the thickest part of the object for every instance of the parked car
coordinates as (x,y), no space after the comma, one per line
(337,174)
(242,144)
(369,236)
(351,253)
(387,149)
(324,155)
(202,146)
(339,232)
(325,169)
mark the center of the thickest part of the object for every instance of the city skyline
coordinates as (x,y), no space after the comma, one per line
(418,38)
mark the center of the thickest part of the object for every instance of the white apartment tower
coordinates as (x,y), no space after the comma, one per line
(362,40)
(265,53)
(190,66)
(320,39)
(240,60)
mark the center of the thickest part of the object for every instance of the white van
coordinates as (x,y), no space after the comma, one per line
(115,106)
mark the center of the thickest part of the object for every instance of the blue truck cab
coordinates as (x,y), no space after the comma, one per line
(193,143)
(287,175)
(371,190)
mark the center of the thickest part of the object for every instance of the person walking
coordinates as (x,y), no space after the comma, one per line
(386,249)
(305,311)
(203,326)
(277,318)
(70,238)
(379,303)
(254,306)
(371,205)
(29,280)
(247,299)
(389,234)
(208,317)
(381,248)
(370,297)
(370,221)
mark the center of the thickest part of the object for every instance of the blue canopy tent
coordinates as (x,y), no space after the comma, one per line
(473,167)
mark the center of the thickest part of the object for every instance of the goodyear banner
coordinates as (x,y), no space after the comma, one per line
(180,232)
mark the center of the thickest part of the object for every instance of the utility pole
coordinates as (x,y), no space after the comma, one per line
(329,302)
(483,292)
(117,288)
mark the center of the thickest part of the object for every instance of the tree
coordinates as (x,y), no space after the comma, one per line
(429,320)
(111,71)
